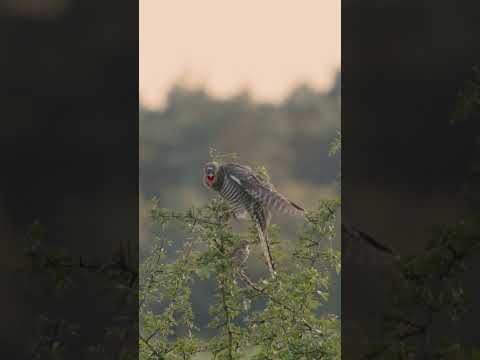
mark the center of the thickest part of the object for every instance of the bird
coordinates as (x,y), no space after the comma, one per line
(249,192)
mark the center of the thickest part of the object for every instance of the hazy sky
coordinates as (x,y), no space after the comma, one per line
(267,46)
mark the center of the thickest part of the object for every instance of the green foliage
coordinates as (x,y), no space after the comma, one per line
(256,319)
(315,246)
(432,296)
(336,144)
(221,158)
(469,97)
(63,276)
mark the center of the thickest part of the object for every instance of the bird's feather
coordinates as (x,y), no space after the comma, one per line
(262,226)
(262,190)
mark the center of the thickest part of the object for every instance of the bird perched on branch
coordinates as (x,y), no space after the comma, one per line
(248,192)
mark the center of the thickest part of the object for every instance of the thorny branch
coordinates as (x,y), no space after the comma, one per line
(262,291)
(208,227)
(419,282)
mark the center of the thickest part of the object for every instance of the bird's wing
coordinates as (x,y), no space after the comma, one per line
(261,190)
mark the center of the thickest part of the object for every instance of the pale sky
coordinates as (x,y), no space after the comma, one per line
(265,46)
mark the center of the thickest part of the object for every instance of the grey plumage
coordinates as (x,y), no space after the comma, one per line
(249,192)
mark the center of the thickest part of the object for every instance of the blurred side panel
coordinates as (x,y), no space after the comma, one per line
(69,183)
(410,111)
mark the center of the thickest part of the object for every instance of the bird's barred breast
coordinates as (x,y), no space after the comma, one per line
(234,194)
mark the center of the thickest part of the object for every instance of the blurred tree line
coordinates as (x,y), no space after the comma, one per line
(291,138)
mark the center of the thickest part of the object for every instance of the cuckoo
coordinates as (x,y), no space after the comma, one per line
(248,192)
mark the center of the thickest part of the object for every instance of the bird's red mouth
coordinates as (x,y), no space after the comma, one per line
(210,179)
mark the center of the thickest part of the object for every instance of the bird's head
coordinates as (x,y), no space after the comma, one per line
(210,173)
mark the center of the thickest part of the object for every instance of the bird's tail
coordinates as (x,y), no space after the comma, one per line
(263,235)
